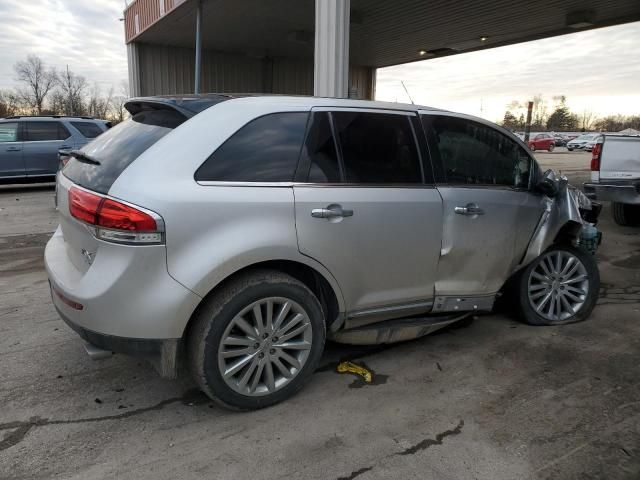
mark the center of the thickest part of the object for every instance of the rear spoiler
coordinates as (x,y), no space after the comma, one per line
(187,105)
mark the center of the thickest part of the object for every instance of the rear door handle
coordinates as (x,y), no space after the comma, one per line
(14,149)
(332,211)
(469,209)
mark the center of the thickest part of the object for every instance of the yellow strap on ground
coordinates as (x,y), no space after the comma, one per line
(349,367)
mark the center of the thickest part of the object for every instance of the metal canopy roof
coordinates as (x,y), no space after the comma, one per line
(383,32)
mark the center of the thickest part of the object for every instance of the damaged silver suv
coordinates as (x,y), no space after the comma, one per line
(240,233)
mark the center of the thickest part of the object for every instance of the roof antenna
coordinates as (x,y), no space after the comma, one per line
(405,89)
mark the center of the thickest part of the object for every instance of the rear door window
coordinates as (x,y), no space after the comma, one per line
(319,153)
(45,131)
(119,146)
(87,129)
(265,150)
(377,148)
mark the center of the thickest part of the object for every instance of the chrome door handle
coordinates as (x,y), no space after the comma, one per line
(13,149)
(332,211)
(470,209)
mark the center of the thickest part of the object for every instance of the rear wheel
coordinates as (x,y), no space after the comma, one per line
(256,341)
(551,147)
(560,286)
(625,214)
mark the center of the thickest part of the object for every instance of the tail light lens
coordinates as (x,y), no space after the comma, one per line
(115,221)
(596,153)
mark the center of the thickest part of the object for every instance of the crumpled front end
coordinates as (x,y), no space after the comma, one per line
(571,217)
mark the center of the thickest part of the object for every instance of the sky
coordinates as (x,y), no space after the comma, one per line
(86,35)
(597,70)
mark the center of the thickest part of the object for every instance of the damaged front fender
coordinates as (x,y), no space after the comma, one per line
(561,218)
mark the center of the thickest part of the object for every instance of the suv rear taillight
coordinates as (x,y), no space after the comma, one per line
(114,221)
(596,154)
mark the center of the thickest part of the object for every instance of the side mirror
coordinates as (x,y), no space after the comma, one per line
(548,184)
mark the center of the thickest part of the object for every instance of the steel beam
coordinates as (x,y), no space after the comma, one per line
(331,55)
(198,66)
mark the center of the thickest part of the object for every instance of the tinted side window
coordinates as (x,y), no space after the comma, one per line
(9,132)
(377,148)
(319,151)
(42,131)
(475,154)
(87,129)
(264,150)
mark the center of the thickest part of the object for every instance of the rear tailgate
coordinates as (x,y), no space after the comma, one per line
(620,158)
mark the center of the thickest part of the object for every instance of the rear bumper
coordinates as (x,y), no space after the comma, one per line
(622,193)
(125,301)
(162,354)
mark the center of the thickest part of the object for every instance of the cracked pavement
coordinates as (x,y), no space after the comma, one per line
(487,399)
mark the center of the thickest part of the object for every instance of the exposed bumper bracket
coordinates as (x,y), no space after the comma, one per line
(96,353)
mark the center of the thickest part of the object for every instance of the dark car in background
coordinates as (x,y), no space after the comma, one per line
(29,145)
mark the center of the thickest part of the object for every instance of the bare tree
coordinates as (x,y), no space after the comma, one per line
(586,120)
(73,87)
(11,103)
(38,81)
(98,105)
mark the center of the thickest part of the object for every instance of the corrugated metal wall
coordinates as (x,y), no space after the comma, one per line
(141,14)
(164,70)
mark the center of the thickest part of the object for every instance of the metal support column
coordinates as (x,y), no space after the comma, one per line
(198,66)
(331,55)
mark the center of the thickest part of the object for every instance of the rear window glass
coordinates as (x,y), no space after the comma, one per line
(87,129)
(116,148)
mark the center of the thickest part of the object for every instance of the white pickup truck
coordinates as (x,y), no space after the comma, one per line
(615,176)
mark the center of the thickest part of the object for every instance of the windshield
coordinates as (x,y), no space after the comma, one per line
(118,147)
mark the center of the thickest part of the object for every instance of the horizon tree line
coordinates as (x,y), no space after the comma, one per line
(562,119)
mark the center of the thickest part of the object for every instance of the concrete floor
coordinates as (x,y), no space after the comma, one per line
(491,399)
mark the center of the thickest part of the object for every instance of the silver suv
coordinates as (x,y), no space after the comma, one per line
(242,232)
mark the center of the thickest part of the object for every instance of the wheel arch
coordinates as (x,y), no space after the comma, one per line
(322,284)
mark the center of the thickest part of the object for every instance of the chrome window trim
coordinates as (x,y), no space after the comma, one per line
(306,184)
(364,110)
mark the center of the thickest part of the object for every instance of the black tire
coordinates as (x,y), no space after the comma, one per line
(527,310)
(532,147)
(626,215)
(217,311)
(551,147)
(570,149)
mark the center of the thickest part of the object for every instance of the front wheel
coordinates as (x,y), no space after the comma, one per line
(257,340)
(570,149)
(560,286)
(532,147)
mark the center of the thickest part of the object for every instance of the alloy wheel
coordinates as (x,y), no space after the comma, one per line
(265,346)
(558,285)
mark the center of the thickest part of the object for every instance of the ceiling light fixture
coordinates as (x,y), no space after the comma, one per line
(484,39)
(422,53)
(580,19)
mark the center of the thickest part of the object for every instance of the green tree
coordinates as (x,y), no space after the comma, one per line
(562,119)
(510,121)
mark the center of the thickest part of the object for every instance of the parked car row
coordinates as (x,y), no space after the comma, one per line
(584,142)
(29,145)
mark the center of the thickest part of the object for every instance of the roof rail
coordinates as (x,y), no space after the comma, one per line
(52,116)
